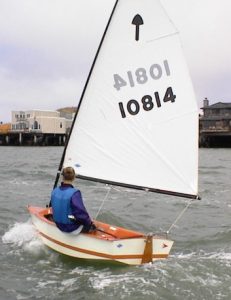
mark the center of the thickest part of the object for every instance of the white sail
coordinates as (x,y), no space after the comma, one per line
(137,124)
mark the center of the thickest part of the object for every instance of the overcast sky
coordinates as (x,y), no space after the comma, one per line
(47,47)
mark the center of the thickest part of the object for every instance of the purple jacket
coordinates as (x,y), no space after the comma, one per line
(78,211)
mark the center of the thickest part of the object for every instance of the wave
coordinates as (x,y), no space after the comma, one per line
(19,233)
(23,237)
(222,255)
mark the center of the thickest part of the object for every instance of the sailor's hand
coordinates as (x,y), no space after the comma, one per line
(93,227)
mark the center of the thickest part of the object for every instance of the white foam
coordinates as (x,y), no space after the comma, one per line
(220,256)
(20,233)
(24,235)
(184,255)
(103,280)
(69,282)
(21,182)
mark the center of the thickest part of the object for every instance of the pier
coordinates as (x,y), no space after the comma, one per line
(215,139)
(32,139)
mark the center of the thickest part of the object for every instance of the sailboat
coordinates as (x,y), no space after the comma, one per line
(136,126)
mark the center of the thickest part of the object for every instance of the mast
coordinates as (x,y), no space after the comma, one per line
(82,95)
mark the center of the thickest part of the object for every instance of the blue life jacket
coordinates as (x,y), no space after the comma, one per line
(61,204)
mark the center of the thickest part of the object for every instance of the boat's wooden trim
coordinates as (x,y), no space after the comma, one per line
(100,254)
(147,256)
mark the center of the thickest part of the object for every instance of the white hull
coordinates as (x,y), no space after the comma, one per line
(112,243)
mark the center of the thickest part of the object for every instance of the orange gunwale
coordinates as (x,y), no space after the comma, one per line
(106,232)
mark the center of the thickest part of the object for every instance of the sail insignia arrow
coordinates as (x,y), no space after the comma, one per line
(137,21)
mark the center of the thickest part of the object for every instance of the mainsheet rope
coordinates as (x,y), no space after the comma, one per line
(104,200)
(179,216)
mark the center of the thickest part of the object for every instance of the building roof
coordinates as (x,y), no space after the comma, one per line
(67,109)
(218,105)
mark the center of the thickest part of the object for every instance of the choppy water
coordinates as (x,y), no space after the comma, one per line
(200,263)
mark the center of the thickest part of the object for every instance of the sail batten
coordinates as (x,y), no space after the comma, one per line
(137,125)
(163,37)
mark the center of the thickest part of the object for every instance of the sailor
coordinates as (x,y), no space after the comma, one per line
(69,212)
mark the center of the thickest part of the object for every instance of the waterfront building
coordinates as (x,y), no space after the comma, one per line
(215,124)
(4,128)
(42,121)
(37,127)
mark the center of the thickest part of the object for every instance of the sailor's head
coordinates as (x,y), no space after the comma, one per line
(68,174)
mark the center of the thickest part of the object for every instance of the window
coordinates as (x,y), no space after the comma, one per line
(35,125)
(216,112)
(61,125)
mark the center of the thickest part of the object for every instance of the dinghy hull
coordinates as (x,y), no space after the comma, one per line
(109,243)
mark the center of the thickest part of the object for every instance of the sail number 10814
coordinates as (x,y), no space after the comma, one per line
(146,103)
